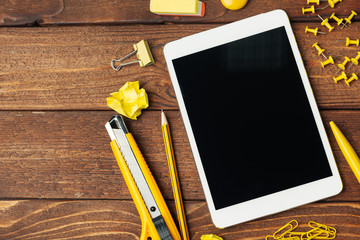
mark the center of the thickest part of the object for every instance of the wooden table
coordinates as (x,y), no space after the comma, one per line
(59,178)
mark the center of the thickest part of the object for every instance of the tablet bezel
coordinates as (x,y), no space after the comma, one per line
(279,201)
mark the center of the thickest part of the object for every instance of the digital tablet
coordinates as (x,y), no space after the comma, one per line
(255,131)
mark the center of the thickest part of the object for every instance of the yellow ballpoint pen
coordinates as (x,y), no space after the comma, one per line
(174,177)
(347,150)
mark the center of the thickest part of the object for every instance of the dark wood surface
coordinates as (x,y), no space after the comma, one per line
(59,178)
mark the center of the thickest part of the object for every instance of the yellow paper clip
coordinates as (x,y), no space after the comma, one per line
(143,53)
(287,228)
(326,62)
(352,78)
(341,77)
(348,19)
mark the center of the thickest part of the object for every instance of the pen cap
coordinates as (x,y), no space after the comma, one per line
(347,150)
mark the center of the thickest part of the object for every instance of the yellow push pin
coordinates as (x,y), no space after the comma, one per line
(310,9)
(341,77)
(143,53)
(313,1)
(342,65)
(326,62)
(338,20)
(353,77)
(355,60)
(314,31)
(331,3)
(320,51)
(348,19)
(348,41)
(326,23)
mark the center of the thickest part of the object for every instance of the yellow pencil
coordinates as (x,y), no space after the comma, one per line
(347,150)
(174,177)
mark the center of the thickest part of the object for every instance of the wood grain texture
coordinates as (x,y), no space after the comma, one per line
(67,155)
(79,219)
(59,178)
(65,12)
(58,68)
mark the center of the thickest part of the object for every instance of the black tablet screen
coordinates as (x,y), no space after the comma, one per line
(251,118)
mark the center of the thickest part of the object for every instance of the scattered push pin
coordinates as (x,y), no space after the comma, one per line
(348,41)
(332,3)
(352,78)
(328,61)
(338,20)
(319,49)
(310,9)
(355,60)
(143,53)
(348,19)
(314,31)
(315,1)
(343,64)
(326,23)
(341,77)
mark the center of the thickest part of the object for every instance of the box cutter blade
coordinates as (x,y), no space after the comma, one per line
(141,184)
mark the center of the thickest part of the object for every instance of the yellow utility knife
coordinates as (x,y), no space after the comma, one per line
(157,222)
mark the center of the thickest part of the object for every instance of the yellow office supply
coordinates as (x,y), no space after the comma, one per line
(355,60)
(210,237)
(348,19)
(317,231)
(143,53)
(328,61)
(326,23)
(347,150)
(319,49)
(338,20)
(354,42)
(343,64)
(310,9)
(284,230)
(333,2)
(178,7)
(129,101)
(234,4)
(341,77)
(174,177)
(157,223)
(352,78)
(314,31)
(313,1)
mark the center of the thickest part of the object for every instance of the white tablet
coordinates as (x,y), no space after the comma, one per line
(255,131)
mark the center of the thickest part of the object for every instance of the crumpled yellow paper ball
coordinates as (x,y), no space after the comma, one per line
(210,237)
(129,100)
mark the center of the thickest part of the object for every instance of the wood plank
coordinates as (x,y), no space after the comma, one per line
(66,155)
(113,219)
(53,68)
(61,12)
